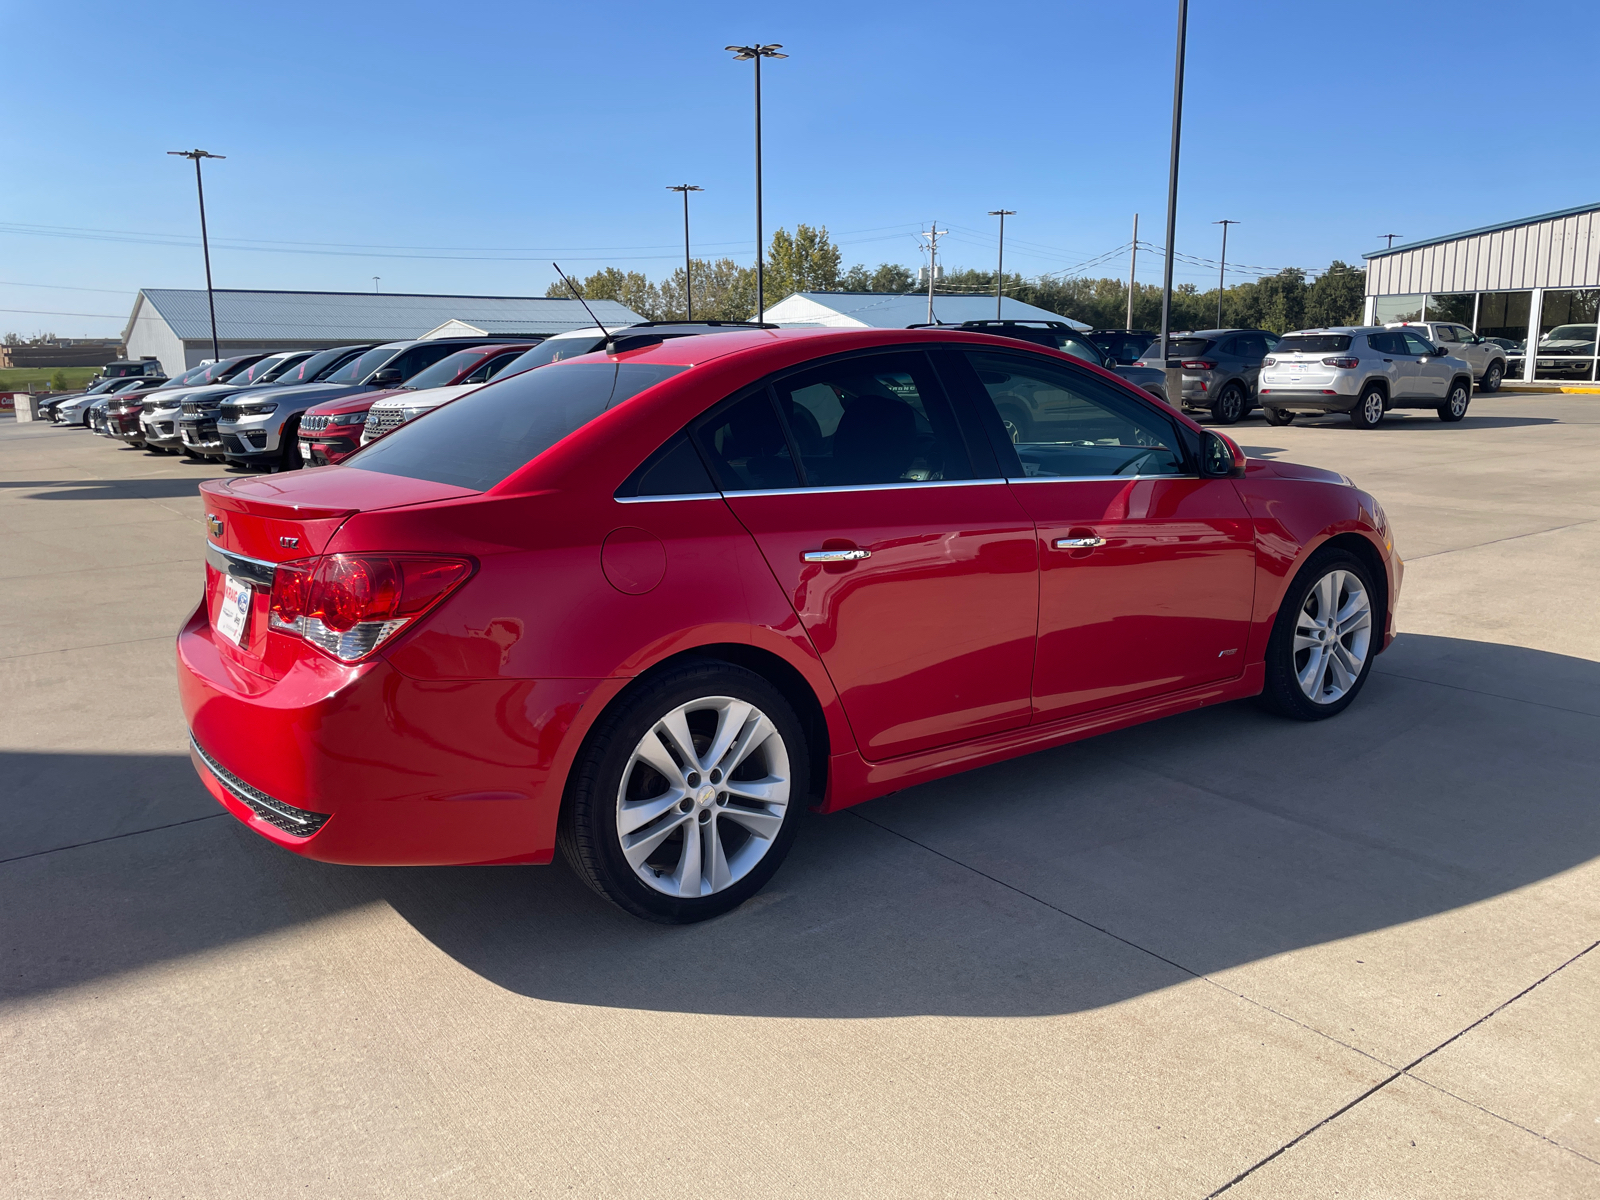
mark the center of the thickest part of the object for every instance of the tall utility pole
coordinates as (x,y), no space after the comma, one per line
(375,279)
(1133,264)
(1222,274)
(205,244)
(1172,195)
(688,286)
(757,53)
(1000,268)
(933,233)
(1391,237)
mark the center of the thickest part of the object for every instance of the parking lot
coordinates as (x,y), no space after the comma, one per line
(1348,958)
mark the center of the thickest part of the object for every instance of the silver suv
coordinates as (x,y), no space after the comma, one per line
(1487,359)
(1364,371)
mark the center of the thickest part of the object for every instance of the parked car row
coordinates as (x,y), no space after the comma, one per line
(649,606)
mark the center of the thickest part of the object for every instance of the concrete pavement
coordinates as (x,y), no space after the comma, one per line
(1221,952)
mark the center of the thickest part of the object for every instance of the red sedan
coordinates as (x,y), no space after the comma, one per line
(646,605)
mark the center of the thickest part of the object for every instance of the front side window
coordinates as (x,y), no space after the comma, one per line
(1064,425)
(444,372)
(480,439)
(418,358)
(554,350)
(312,368)
(875,419)
(1417,345)
(359,368)
(1078,347)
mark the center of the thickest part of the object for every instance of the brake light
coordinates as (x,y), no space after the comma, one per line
(1346,363)
(1269,362)
(1198,364)
(348,605)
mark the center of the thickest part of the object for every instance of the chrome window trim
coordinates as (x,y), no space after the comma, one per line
(1097,478)
(665,499)
(862,487)
(257,572)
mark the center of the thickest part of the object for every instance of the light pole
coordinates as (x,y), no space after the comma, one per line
(375,279)
(688,287)
(756,54)
(1391,237)
(1133,265)
(1222,274)
(1172,201)
(205,244)
(1000,268)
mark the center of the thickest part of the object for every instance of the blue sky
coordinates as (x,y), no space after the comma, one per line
(460,154)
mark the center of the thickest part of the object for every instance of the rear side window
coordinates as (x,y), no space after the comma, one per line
(882,418)
(673,470)
(745,444)
(480,439)
(1318,343)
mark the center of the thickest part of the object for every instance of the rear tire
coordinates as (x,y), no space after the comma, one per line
(636,796)
(1368,412)
(1277,416)
(1493,377)
(1328,631)
(1456,401)
(1229,406)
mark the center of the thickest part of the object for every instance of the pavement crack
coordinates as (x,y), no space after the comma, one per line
(1403,1071)
(1489,1112)
(1496,541)
(1480,692)
(112,838)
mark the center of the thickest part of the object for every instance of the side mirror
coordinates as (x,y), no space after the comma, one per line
(1220,457)
(386,377)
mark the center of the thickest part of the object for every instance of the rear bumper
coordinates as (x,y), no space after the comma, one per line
(1312,401)
(405,772)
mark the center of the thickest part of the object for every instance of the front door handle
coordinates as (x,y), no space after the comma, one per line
(835,556)
(1078,543)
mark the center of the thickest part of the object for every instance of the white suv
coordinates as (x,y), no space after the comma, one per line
(1487,359)
(1363,371)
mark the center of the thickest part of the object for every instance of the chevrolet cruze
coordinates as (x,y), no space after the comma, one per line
(645,606)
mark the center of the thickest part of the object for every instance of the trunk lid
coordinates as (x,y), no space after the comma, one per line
(278,518)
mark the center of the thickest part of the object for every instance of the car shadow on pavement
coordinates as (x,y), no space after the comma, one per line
(105,489)
(1070,879)
(1421,418)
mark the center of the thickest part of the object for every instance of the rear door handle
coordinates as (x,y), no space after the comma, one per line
(834,556)
(1078,543)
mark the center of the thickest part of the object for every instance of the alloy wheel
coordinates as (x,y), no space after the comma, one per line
(1458,401)
(1332,636)
(703,796)
(1491,381)
(1372,407)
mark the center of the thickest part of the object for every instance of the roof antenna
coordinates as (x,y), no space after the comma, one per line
(606,333)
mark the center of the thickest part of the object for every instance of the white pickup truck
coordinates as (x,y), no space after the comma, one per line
(1487,359)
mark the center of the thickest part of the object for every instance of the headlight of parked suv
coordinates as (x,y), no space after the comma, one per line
(355,418)
(257,410)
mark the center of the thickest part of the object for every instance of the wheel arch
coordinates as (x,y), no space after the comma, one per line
(1362,548)
(772,667)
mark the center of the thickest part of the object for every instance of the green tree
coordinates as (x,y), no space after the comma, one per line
(631,288)
(886,277)
(59,382)
(1338,297)
(723,291)
(805,262)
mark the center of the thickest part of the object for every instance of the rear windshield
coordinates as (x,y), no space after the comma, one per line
(1313,343)
(478,440)
(1180,347)
(552,350)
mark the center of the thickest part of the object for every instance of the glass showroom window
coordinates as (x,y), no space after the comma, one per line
(1567,328)
(1386,309)
(1503,318)
(1450,306)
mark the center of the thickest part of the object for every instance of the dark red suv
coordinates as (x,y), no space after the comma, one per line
(647,606)
(331,432)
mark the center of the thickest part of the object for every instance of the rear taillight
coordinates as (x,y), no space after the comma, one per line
(1345,363)
(1198,364)
(1269,362)
(350,604)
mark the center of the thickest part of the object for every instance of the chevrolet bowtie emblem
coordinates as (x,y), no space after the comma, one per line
(215,524)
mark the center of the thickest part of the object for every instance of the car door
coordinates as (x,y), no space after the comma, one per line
(1400,365)
(1147,572)
(1431,374)
(904,552)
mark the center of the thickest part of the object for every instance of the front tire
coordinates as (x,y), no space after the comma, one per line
(685,798)
(1229,406)
(1324,640)
(1368,412)
(1492,377)
(1455,402)
(1277,416)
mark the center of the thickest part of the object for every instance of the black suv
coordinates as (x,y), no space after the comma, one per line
(1058,335)
(1221,369)
(1126,346)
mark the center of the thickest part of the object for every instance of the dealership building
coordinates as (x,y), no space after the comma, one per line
(174,324)
(1530,282)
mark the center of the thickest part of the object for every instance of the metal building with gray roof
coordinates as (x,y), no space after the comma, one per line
(174,325)
(1534,281)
